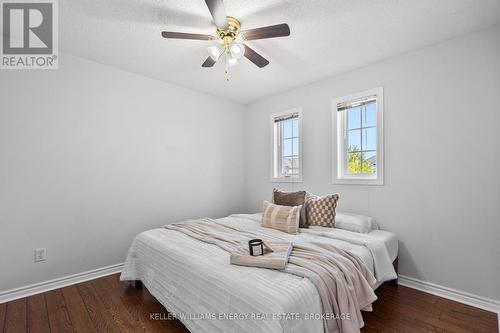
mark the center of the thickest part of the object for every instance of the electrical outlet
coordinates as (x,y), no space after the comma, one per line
(40,254)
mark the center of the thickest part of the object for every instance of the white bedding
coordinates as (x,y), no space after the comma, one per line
(195,281)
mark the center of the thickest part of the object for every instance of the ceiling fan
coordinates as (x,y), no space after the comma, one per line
(228,32)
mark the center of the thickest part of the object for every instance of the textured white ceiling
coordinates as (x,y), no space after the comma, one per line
(327,37)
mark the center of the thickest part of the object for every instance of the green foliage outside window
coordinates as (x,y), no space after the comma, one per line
(354,164)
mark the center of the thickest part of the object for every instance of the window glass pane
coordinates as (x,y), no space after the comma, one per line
(369,164)
(369,114)
(295,149)
(287,147)
(353,140)
(295,162)
(295,128)
(353,118)
(354,163)
(287,128)
(286,165)
(370,138)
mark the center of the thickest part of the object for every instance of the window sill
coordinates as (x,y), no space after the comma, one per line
(358,181)
(286,180)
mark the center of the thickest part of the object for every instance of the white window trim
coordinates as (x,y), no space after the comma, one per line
(338,146)
(296,179)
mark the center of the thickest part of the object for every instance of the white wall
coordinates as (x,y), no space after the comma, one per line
(91,155)
(442,157)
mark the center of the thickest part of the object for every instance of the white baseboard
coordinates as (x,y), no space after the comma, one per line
(453,294)
(10,295)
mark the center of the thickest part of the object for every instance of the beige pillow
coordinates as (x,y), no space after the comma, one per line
(321,210)
(292,199)
(283,218)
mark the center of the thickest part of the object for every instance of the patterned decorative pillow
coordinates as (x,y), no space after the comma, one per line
(321,210)
(292,199)
(283,218)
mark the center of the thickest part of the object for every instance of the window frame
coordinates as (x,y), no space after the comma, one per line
(339,156)
(275,152)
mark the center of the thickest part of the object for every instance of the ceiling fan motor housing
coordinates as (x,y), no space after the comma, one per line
(229,35)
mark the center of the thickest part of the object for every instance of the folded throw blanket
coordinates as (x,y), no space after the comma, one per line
(277,259)
(343,281)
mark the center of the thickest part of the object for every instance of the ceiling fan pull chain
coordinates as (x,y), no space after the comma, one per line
(226,66)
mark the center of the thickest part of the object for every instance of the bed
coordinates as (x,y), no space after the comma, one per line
(196,283)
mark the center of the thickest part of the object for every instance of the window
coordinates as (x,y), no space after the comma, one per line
(358,138)
(286,159)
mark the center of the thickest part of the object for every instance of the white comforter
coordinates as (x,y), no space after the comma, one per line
(196,282)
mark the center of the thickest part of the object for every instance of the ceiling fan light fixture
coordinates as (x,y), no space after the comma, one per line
(231,61)
(237,50)
(215,52)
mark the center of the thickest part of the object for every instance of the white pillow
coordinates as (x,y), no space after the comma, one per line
(354,222)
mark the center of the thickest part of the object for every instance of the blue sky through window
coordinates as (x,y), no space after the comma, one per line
(361,127)
(287,128)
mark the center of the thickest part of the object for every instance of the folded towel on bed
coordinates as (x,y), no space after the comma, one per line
(277,259)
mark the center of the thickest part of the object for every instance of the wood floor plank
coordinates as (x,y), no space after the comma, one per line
(77,311)
(115,307)
(59,320)
(135,306)
(38,317)
(400,316)
(396,324)
(3,308)
(408,310)
(468,317)
(149,306)
(15,316)
(96,310)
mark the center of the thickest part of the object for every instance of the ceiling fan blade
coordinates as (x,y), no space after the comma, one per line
(216,8)
(184,35)
(256,58)
(209,62)
(278,30)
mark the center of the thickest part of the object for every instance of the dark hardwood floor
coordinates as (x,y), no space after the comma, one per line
(107,305)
